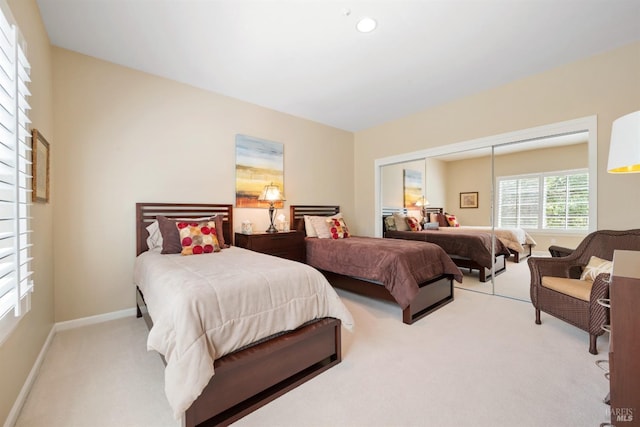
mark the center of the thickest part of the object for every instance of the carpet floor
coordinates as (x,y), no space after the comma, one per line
(478,361)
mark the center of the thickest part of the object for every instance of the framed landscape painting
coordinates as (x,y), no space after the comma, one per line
(258,163)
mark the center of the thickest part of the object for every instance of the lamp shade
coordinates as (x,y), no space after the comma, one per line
(270,193)
(624,149)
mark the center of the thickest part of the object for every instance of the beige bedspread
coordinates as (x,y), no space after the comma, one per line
(512,238)
(206,306)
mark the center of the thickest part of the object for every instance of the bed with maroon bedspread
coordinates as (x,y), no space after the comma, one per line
(399,265)
(474,246)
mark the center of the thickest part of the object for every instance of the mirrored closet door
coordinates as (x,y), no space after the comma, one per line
(526,190)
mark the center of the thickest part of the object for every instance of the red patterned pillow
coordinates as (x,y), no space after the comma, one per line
(170,236)
(451,219)
(413,223)
(198,237)
(338,228)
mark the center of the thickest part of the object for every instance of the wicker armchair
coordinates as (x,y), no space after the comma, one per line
(586,315)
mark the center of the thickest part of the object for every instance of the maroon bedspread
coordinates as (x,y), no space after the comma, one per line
(398,264)
(475,246)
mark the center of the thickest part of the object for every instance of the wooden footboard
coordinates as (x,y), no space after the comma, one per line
(249,379)
(432,295)
(519,256)
(484,274)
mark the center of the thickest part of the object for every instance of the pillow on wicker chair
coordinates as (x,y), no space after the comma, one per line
(594,267)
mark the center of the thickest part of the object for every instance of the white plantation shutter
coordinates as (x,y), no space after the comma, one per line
(15,173)
(566,202)
(549,201)
(518,202)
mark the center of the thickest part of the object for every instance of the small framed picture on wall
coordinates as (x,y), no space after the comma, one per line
(40,167)
(469,200)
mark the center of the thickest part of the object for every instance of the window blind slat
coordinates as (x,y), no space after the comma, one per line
(15,171)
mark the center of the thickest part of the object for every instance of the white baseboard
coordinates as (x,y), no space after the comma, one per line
(26,388)
(60,326)
(91,320)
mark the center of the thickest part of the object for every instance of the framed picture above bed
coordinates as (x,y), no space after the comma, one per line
(469,200)
(259,163)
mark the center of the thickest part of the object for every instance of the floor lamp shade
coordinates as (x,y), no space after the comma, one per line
(624,149)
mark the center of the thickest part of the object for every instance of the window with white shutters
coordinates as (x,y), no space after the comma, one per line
(549,201)
(16,282)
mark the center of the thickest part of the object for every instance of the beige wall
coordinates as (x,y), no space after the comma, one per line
(605,85)
(21,349)
(124,136)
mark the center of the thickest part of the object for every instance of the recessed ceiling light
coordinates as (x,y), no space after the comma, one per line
(366,25)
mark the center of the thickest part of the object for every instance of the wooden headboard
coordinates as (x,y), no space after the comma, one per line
(146,213)
(386,211)
(297,213)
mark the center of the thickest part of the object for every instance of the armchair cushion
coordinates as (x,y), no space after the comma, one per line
(580,289)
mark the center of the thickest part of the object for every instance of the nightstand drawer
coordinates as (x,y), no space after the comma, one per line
(288,245)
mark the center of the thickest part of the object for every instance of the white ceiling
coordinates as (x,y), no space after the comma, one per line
(305,58)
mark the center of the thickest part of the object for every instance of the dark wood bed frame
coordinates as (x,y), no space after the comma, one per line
(519,256)
(484,274)
(247,379)
(432,295)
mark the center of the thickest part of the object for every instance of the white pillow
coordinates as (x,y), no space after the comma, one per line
(155,237)
(401,222)
(596,266)
(316,226)
(308,227)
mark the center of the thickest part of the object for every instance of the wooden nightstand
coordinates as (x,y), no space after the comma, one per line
(284,244)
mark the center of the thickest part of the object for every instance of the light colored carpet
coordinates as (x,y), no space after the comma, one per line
(512,283)
(479,361)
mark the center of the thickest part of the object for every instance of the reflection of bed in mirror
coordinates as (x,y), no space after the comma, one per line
(217,377)
(416,276)
(467,250)
(517,240)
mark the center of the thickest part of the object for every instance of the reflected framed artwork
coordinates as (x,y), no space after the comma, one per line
(469,200)
(412,187)
(40,167)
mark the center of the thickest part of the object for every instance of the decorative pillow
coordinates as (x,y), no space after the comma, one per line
(442,220)
(431,226)
(155,238)
(433,217)
(413,223)
(401,221)
(170,240)
(198,237)
(452,221)
(309,227)
(337,228)
(321,226)
(389,223)
(594,267)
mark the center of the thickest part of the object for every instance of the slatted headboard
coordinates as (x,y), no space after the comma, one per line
(146,213)
(297,213)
